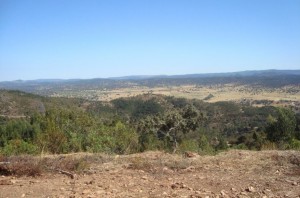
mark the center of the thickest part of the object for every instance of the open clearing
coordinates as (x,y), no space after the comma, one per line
(234,173)
(227,92)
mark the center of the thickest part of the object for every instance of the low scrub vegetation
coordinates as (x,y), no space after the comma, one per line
(147,122)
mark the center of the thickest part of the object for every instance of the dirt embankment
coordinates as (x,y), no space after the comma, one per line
(157,174)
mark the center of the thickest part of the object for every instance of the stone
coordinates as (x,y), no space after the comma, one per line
(250,189)
(190,168)
(100,192)
(145,178)
(223,192)
(86,191)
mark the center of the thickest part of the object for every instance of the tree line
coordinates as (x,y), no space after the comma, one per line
(150,122)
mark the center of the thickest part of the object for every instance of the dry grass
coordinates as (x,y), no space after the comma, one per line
(34,166)
(226,92)
(159,163)
(152,162)
(286,159)
(20,166)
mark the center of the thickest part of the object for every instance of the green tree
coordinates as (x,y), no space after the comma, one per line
(282,129)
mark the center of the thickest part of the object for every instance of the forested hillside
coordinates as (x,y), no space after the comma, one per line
(34,124)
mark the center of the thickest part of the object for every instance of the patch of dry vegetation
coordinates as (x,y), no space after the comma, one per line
(26,165)
(20,166)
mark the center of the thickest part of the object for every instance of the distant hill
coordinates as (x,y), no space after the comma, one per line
(20,104)
(271,72)
(264,78)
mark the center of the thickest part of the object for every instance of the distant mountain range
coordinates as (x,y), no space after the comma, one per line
(271,72)
(265,78)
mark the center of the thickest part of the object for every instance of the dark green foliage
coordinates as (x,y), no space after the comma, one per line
(145,122)
(137,107)
(208,97)
(282,129)
(18,147)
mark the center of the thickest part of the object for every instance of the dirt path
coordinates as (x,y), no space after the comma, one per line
(156,174)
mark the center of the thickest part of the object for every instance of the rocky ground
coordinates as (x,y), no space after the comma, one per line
(156,174)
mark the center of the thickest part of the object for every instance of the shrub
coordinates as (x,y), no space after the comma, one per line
(268,146)
(189,145)
(295,144)
(18,147)
(204,146)
(282,128)
(240,146)
(21,166)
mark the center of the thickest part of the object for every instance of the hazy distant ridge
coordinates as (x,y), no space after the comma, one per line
(264,78)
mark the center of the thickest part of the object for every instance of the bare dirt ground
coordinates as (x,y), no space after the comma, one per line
(234,173)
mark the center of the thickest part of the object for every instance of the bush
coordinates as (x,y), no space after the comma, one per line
(282,129)
(21,166)
(268,146)
(189,145)
(295,144)
(204,146)
(240,146)
(18,147)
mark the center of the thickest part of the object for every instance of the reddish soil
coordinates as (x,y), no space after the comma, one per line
(156,174)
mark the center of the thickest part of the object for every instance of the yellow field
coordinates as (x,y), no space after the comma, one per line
(227,92)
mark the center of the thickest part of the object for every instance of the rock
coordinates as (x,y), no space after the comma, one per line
(145,178)
(223,192)
(233,189)
(243,193)
(90,182)
(31,182)
(86,191)
(178,185)
(23,195)
(173,186)
(99,192)
(13,181)
(250,189)
(167,170)
(114,190)
(190,168)
(294,183)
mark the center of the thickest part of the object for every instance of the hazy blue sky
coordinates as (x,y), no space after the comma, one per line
(104,38)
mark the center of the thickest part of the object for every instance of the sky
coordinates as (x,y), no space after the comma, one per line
(63,39)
